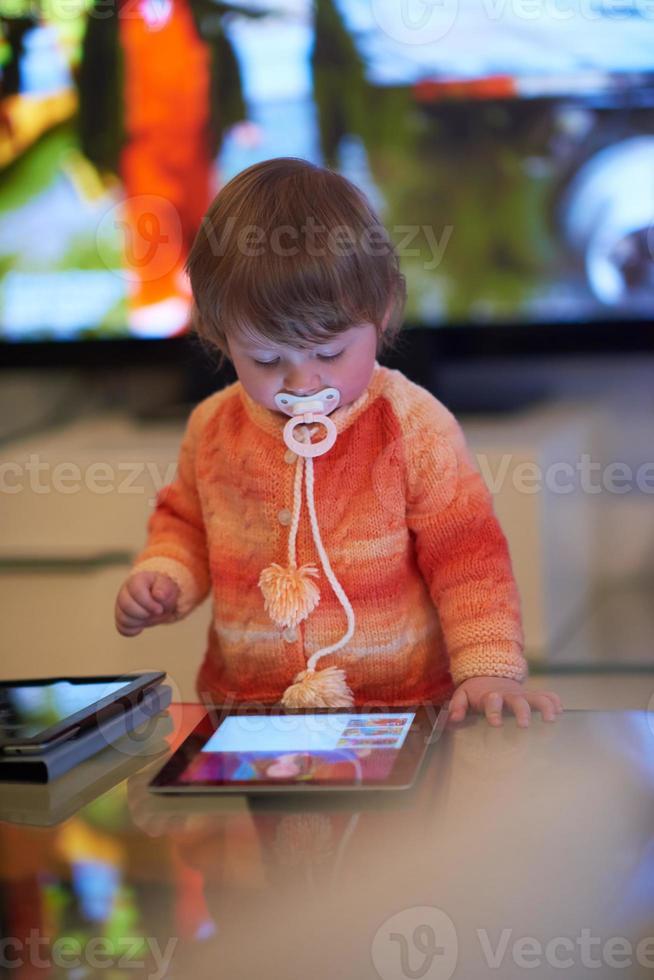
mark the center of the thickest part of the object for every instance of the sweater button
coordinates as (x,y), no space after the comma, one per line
(290,634)
(284,516)
(290,456)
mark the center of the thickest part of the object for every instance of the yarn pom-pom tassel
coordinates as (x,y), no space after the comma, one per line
(289,593)
(319,689)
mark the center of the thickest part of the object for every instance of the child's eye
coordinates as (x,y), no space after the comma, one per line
(330,357)
(323,357)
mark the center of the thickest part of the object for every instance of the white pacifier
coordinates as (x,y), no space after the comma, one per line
(304,410)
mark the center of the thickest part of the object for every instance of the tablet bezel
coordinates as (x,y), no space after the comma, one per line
(424,731)
(128,696)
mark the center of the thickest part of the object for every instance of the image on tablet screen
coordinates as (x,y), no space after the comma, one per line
(300,748)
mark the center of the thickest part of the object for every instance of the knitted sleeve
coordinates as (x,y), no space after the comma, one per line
(461,549)
(176,538)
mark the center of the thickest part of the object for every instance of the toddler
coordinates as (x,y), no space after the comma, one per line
(330,505)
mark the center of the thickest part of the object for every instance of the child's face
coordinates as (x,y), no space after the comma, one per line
(264,369)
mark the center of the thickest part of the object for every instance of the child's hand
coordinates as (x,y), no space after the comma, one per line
(145,599)
(488,693)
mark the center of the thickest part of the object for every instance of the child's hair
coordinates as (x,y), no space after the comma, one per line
(294,253)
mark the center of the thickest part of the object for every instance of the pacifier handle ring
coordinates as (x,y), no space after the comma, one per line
(310,449)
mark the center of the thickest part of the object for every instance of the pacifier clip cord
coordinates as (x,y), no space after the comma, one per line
(290,593)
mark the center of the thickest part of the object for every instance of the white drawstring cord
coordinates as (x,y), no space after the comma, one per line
(335,584)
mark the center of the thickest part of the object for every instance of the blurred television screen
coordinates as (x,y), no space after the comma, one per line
(507,144)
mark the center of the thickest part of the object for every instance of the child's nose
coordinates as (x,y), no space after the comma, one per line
(301,383)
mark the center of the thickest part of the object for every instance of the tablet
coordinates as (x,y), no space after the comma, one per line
(39,713)
(255,750)
(47,804)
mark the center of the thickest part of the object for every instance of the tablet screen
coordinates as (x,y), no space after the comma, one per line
(304,748)
(31,709)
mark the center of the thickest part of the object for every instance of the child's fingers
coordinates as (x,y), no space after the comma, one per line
(167,616)
(126,624)
(126,630)
(493,707)
(139,591)
(458,706)
(146,599)
(135,610)
(130,617)
(520,707)
(165,591)
(130,626)
(555,699)
(552,695)
(548,708)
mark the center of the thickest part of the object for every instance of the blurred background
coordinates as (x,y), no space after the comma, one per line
(508,146)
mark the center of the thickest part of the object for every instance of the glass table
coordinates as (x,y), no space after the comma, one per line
(520,852)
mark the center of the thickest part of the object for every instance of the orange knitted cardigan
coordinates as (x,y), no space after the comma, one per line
(406,520)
